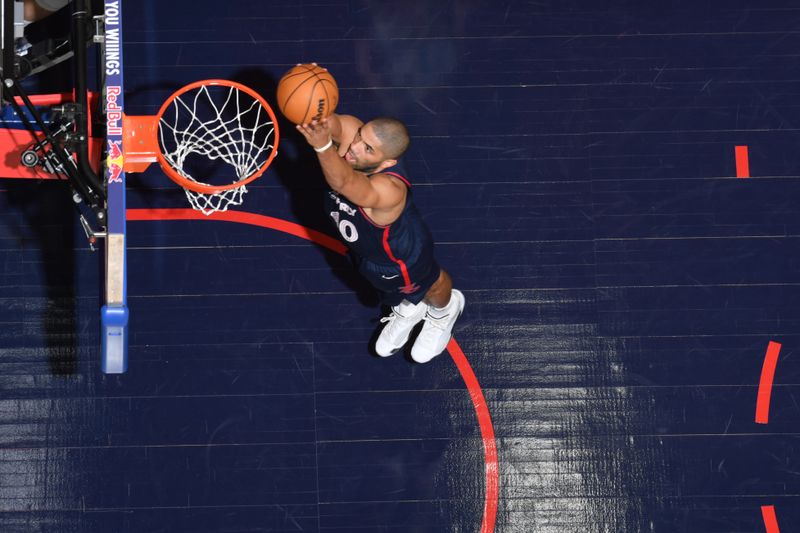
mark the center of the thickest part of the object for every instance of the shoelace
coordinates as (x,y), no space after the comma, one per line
(389,318)
(437,322)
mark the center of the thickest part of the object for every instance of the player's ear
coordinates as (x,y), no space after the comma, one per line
(388,163)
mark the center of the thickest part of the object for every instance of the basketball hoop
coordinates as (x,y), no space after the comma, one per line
(211,137)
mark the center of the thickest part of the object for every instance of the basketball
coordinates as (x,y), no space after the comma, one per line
(307,92)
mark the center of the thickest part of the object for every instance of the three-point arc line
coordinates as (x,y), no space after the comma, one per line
(770,360)
(487,434)
(460,360)
(742,162)
(765,384)
(762,417)
(770,520)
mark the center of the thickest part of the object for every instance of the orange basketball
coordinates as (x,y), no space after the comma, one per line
(307,92)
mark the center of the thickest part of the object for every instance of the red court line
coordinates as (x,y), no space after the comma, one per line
(765,386)
(742,162)
(487,433)
(241,217)
(473,387)
(770,520)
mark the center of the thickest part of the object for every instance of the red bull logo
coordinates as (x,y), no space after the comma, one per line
(113,110)
(114,162)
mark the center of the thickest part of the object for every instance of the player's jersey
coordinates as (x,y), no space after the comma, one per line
(397,257)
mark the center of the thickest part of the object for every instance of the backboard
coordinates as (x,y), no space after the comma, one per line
(114,313)
(62,136)
(213,120)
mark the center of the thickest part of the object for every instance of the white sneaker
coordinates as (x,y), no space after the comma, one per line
(401,321)
(436,332)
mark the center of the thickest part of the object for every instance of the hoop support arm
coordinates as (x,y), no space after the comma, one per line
(139,142)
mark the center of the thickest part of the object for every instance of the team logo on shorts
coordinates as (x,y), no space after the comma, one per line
(409,289)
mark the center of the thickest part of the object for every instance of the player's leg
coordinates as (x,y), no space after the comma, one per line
(405,300)
(439,293)
(445,306)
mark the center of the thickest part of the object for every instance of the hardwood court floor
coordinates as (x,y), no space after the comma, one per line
(576,163)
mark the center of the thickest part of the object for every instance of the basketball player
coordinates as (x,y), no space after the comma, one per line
(370,204)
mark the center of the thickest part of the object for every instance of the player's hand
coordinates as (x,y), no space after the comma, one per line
(317,133)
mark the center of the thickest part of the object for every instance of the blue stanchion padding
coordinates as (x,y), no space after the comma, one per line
(114,321)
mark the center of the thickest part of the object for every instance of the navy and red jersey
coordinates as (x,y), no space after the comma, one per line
(396,258)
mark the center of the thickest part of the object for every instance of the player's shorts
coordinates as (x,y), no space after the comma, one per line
(395,285)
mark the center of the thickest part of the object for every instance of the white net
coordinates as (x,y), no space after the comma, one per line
(212,203)
(216,133)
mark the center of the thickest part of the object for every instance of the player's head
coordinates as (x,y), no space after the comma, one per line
(378,144)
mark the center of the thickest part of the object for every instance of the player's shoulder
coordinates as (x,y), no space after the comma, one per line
(349,121)
(389,186)
(396,173)
(345,130)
